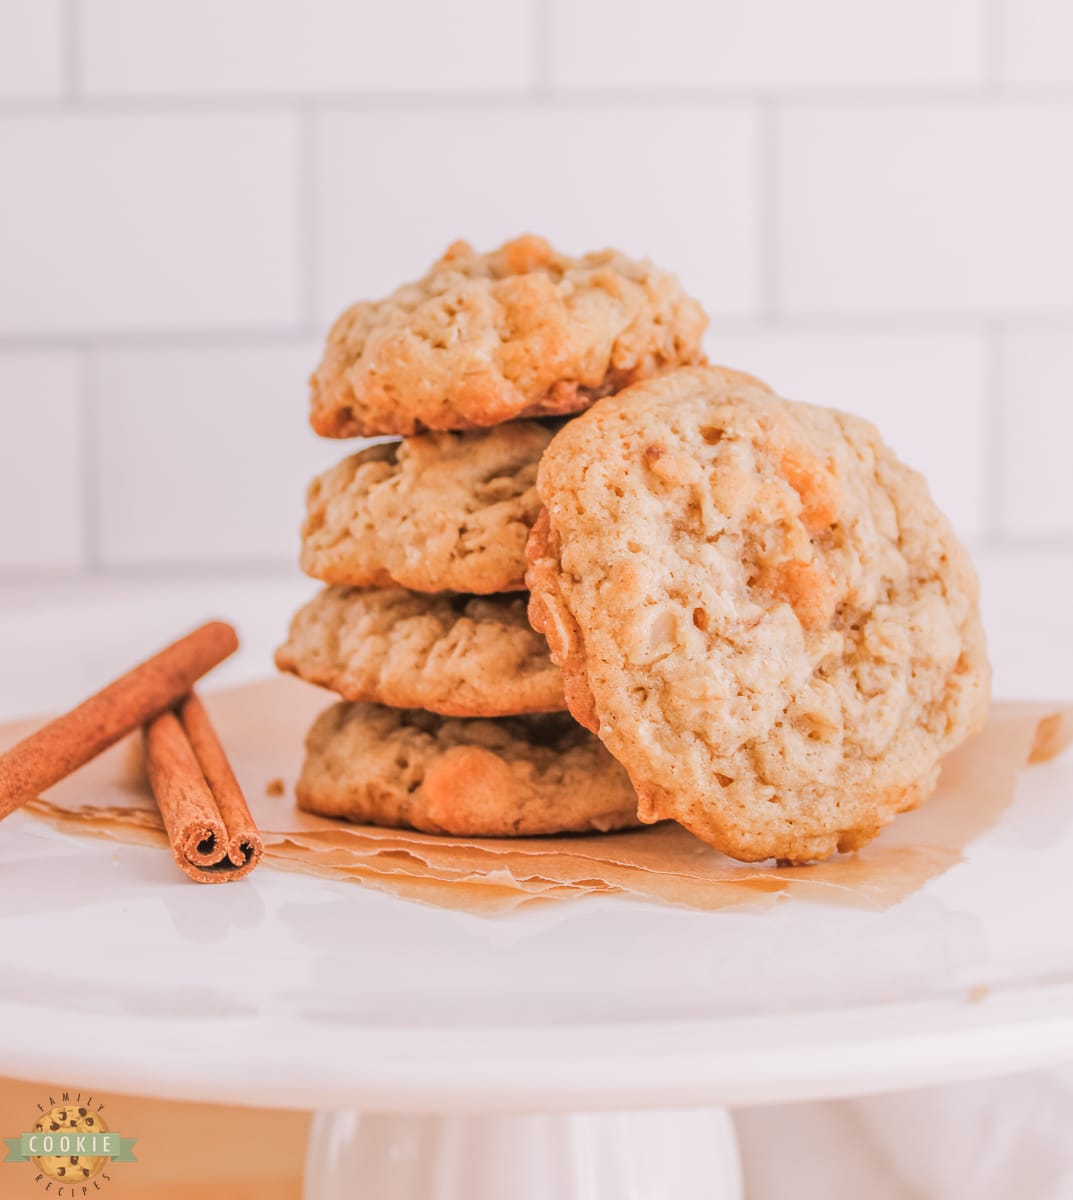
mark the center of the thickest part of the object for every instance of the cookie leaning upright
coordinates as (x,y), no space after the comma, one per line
(759,609)
(486,338)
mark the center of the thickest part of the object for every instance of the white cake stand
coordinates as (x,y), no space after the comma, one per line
(624,1026)
(584,1050)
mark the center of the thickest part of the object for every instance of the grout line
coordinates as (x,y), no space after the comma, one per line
(541,37)
(1018,545)
(918,321)
(992,39)
(181,570)
(768,248)
(1024,544)
(851,324)
(166,571)
(308,186)
(70,51)
(91,506)
(994,431)
(18,577)
(165,339)
(495,99)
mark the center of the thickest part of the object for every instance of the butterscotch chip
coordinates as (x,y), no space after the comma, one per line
(436,512)
(475,778)
(761,611)
(464,656)
(484,338)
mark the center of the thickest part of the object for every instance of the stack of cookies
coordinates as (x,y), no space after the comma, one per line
(453,716)
(757,622)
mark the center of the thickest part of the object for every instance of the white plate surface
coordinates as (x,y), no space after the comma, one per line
(288,990)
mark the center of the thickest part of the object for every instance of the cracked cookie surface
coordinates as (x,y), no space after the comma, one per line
(760,610)
(470,778)
(486,338)
(463,656)
(436,512)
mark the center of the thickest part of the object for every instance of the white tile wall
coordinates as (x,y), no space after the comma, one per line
(204,453)
(961,209)
(396,188)
(31,48)
(771,44)
(1037,433)
(42,487)
(872,199)
(131,223)
(1038,40)
(313,46)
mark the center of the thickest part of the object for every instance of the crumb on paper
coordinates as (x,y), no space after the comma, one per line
(979,993)
(275,787)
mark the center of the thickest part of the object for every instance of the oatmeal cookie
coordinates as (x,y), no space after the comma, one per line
(437,512)
(463,656)
(485,338)
(476,778)
(759,609)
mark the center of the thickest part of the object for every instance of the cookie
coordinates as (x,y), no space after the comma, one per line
(759,609)
(69,1120)
(462,656)
(438,512)
(484,338)
(476,778)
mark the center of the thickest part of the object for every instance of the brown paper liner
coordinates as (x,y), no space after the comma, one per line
(263,727)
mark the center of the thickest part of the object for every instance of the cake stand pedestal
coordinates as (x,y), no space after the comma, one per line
(662,1155)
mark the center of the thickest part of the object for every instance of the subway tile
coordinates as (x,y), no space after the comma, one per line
(203,454)
(147,222)
(278,46)
(31,48)
(926,209)
(677,184)
(1036,41)
(767,44)
(1027,596)
(926,393)
(42,516)
(1037,431)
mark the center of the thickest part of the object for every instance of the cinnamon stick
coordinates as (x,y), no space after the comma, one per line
(69,742)
(212,833)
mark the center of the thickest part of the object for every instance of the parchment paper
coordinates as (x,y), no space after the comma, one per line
(263,727)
